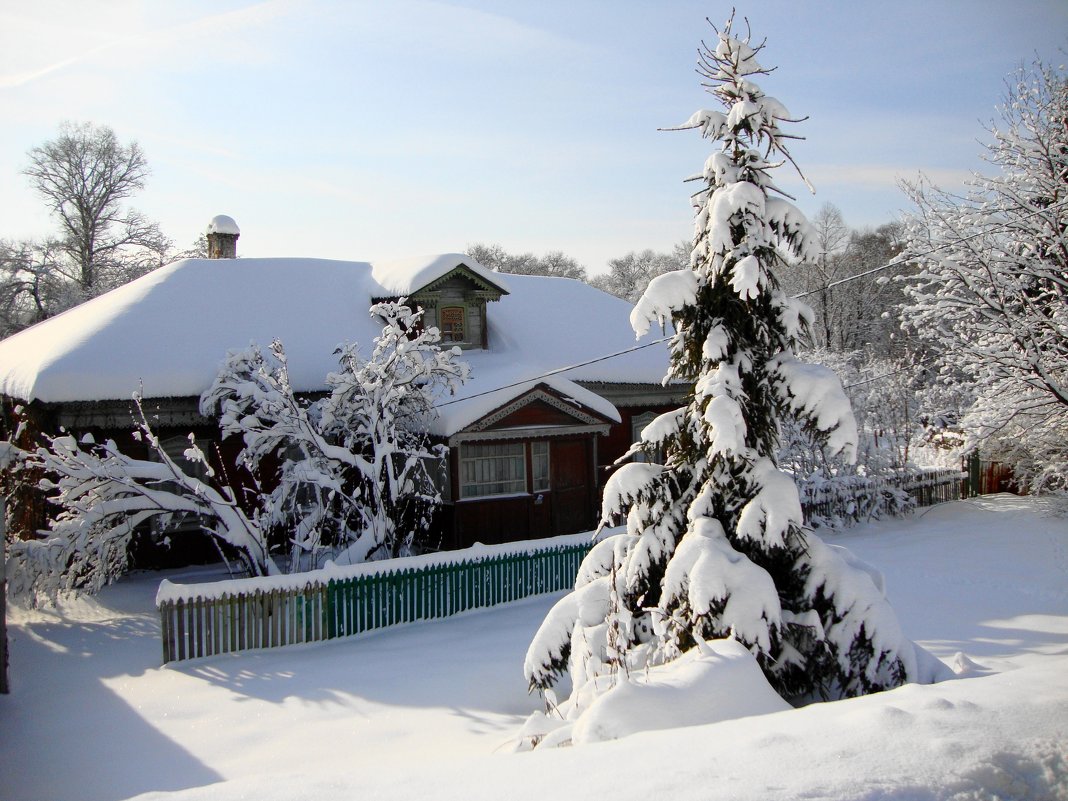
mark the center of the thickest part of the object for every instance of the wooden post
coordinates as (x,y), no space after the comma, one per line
(4,686)
(179,609)
(165,630)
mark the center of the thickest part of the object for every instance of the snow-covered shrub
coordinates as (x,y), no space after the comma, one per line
(352,471)
(714,547)
(844,500)
(104,495)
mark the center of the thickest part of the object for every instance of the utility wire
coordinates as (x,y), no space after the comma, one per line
(897,261)
(894,262)
(928,360)
(557,371)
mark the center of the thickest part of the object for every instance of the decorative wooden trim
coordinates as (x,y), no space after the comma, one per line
(524,434)
(487,290)
(537,394)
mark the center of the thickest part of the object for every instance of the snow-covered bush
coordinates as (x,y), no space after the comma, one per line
(990,292)
(714,547)
(351,473)
(356,473)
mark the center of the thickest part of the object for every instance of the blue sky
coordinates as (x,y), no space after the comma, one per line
(386,129)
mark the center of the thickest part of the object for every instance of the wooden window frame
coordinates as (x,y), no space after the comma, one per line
(483,465)
(448,335)
(540,483)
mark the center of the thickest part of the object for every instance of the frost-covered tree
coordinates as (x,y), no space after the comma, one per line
(32,287)
(714,546)
(854,304)
(353,472)
(629,275)
(889,402)
(555,263)
(84,175)
(991,294)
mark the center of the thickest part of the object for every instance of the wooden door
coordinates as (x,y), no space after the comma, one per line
(569,475)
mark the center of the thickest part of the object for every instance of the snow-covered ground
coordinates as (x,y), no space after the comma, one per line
(428,710)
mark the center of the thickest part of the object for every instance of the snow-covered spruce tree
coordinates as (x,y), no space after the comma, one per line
(104,496)
(354,468)
(714,546)
(991,294)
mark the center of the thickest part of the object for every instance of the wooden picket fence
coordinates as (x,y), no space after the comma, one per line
(206,624)
(242,620)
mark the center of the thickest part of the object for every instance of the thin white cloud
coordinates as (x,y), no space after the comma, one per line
(138,39)
(23,78)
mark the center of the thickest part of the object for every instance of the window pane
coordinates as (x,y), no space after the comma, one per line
(539,465)
(452,320)
(492,469)
(637,425)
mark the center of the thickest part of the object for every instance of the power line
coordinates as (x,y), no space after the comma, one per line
(928,360)
(557,371)
(899,260)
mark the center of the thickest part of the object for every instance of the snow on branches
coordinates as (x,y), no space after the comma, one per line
(357,466)
(349,475)
(104,496)
(991,291)
(714,546)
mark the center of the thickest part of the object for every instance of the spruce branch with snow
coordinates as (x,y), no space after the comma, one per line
(356,473)
(991,291)
(714,545)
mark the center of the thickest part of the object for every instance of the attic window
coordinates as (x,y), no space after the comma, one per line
(451,322)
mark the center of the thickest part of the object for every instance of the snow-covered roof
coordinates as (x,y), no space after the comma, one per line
(404,276)
(167,333)
(221,224)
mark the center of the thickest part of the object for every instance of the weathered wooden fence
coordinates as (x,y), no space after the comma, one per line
(853,499)
(203,620)
(986,477)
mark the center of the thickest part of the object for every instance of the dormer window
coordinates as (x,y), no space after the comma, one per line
(455,301)
(451,321)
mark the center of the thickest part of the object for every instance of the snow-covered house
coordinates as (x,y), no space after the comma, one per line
(528,451)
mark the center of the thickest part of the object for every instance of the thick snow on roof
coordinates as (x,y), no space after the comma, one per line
(170,329)
(221,224)
(404,276)
(168,332)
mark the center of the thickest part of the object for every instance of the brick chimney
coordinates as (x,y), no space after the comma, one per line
(222,237)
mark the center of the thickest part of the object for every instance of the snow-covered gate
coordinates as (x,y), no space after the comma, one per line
(200,620)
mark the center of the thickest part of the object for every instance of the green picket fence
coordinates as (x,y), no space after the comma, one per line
(206,624)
